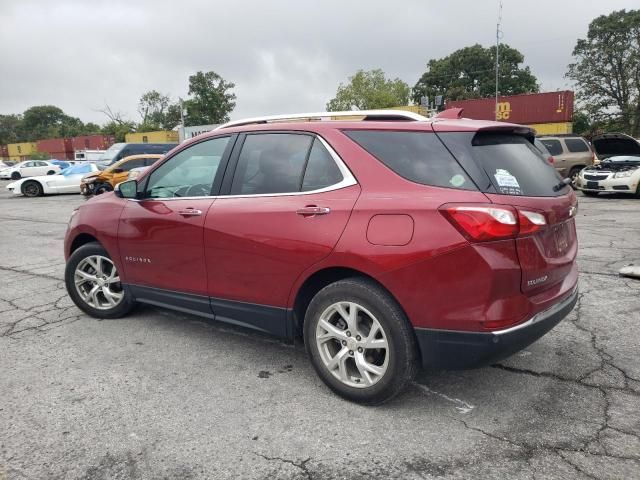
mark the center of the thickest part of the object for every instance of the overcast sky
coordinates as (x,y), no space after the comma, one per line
(283,55)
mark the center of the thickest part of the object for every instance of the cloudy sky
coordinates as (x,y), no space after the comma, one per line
(283,55)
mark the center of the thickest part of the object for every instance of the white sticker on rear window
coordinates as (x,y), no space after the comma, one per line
(508,183)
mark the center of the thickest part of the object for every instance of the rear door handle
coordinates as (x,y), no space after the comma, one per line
(311,210)
(190,212)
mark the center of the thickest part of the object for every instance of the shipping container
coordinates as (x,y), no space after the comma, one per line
(550,107)
(92,142)
(162,136)
(56,148)
(552,128)
(23,149)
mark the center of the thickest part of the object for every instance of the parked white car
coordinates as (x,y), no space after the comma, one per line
(67,181)
(30,168)
(620,174)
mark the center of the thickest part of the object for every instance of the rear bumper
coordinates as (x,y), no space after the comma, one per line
(447,349)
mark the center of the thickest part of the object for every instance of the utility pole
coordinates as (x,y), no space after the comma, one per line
(498,37)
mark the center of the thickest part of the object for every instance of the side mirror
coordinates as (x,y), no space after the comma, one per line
(128,189)
(118,170)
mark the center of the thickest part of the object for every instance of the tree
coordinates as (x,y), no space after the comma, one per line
(153,108)
(10,129)
(210,99)
(369,90)
(118,129)
(470,73)
(607,70)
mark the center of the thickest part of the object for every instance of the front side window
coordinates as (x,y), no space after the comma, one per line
(271,163)
(126,166)
(189,173)
(576,145)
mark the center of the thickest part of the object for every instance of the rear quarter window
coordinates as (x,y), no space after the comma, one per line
(554,146)
(513,166)
(576,145)
(417,156)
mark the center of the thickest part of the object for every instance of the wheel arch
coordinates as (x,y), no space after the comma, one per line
(80,240)
(316,282)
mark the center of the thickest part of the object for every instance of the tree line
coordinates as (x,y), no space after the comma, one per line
(606,73)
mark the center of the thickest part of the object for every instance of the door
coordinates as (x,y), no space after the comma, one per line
(161,234)
(288,203)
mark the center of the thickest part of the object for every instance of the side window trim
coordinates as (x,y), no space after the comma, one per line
(217,181)
(348,179)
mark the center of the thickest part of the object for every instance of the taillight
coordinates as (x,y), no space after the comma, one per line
(484,223)
(551,160)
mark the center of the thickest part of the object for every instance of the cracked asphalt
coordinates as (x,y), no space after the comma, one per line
(162,395)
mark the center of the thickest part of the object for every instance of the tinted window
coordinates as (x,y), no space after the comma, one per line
(576,145)
(511,163)
(554,146)
(139,162)
(417,156)
(189,173)
(43,164)
(321,170)
(271,163)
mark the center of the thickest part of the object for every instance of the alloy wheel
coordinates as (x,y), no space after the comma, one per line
(352,344)
(31,189)
(98,283)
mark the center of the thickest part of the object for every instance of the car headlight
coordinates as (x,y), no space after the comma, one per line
(624,174)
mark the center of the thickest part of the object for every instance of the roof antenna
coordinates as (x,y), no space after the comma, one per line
(499,35)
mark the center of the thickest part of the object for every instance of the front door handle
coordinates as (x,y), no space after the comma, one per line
(190,212)
(311,210)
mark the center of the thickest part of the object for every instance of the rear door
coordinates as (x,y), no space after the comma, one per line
(288,199)
(555,148)
(516,175)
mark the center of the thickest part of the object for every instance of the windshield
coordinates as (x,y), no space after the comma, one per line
(111,152)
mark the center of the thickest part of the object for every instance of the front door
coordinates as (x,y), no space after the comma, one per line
(161,234)
(286,208)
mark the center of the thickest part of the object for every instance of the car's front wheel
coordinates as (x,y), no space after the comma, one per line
(102,188)
(359,341)
(93,283)
(31,189)
(51,172)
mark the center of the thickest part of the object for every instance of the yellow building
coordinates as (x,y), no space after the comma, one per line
(161,136)
(21,151)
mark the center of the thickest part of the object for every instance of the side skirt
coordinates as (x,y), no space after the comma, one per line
(264,318)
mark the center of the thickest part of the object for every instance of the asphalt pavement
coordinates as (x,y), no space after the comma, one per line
(163,395)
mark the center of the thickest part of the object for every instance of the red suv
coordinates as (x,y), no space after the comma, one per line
(386,243)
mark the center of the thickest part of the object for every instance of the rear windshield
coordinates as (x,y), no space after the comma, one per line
(509,163)
(417,156)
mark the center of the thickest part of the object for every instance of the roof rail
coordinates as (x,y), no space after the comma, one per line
(382,115)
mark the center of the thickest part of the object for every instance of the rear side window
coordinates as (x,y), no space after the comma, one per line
(321,171)
(271,163)
(554,146)
(417,156)
(511,163)
(576,145)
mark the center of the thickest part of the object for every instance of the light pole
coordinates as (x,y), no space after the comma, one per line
(498,36)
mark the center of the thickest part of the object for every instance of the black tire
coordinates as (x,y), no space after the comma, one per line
(402,350)
(51,172)
(31,188)
(102,188)
(590,194)
(16,176)
(573,175)
(120,310)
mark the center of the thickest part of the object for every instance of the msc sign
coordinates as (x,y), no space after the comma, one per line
(503,111)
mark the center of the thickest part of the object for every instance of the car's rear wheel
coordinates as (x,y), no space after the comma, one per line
(93,283)
(51,172)
(31,188)
(102,188)
(359,341)
(16,176)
